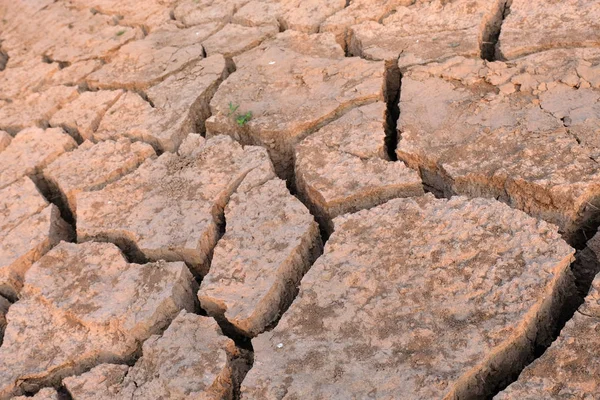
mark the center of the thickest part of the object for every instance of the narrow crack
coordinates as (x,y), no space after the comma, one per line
(54,196)
(200,109)
(566,121)
(391,90)
(488,42)
(3,58)
(144,97)
(63,393)
(73,132)
(281,24)
(5,304)
(588,315)
(126,243)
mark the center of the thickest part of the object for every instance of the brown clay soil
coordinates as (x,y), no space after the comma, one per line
(299,199)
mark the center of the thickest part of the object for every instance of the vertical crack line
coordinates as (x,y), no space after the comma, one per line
(323,222)
(240,365)
(391,91)
(200,109)
(63,393)
(490,32)
(53,195)
(5,304)
(3,59)
(587,226)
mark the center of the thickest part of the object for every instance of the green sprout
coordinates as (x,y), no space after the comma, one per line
(240,119)
(232,109)
(120,33)
(243,119)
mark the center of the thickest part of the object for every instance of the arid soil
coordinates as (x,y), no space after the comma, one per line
(299,199)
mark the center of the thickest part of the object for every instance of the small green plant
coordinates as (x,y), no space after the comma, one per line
(120,33)
(232,109)
(240,119)
(243,119)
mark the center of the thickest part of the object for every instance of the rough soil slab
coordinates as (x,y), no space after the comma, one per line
(258,13)
(356,12)
(171,208)
(533,26)
(303,16)
(146,62)
(5,139)
(192,12)
(25,244)
(344,167)
(93,166)
(307,15)
(22,80)
(192,359)
(35,109)
(30,151)
(82,116)
(19,201)
(570,367)
(100,383)
(427,31)
(67,35)
(29,227)
(270,242)
(26,28)
(19,12)
(417,299)
(235,39)
(153,15)
(173,108)
(75,74)
(92,38)
(292,85)
(525,132)
(82,305)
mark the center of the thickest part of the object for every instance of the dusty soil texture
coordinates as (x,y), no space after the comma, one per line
(299,199)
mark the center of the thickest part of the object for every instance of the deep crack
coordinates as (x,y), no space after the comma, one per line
(491,32)
(53,195)
(391,90)
(3,58)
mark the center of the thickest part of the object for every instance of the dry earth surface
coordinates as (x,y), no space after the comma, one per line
(299,199)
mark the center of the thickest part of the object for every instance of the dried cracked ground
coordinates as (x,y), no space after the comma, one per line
(299,199)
